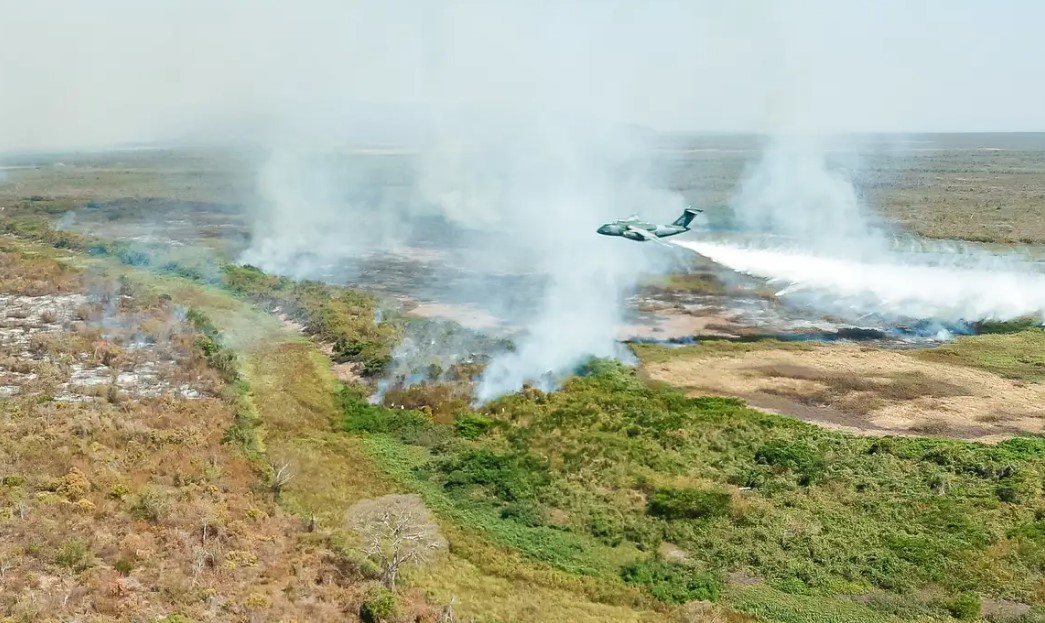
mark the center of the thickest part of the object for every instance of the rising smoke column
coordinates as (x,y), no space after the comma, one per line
(819,245)
(545,186)
(794,191)
(523,196)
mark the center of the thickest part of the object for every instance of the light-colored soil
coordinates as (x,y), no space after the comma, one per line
(466,316)
(830,386)
(670,324)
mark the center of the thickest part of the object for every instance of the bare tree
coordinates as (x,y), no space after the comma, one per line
(447,614)
(395,531)
(281,477)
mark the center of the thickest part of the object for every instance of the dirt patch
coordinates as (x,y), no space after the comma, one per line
(669,324)
(1003,610)
(348,372)
(464,315)
(291,325)
(865,390)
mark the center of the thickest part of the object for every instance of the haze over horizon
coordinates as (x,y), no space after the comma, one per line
(118,71)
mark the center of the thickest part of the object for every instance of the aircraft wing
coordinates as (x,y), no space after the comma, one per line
(647,235)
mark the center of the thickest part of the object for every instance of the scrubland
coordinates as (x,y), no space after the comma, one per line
(186,439)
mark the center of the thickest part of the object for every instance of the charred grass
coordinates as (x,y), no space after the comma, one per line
(117,506)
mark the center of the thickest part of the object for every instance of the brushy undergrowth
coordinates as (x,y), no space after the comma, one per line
(347,319)
(595,479)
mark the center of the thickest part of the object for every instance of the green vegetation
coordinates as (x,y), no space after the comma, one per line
(593,479)
(673,583)
(964,607)
(379,605)
(1018,356)
(987,327)
(345,318)
(714,346)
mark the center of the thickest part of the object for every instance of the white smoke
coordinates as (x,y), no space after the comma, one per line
(819,244)
(794,191)
(522,196)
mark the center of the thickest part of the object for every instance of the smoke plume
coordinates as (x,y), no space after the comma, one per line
(820,244)
(521,198)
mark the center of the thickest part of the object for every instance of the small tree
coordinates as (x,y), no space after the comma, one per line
(395,531)
(280,478)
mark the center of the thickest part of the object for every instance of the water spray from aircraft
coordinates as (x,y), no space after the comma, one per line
(940,286)
(838,260)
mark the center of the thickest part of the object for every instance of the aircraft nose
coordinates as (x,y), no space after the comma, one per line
(605,229)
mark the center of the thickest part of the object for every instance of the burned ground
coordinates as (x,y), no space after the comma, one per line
(141,473)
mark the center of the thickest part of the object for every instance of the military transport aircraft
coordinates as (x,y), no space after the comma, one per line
(634,229)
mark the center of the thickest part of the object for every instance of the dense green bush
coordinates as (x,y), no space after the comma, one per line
(509,477)
(802,458)
(526,513)
(379,605)
(473,426)
(408,426)
(688,503)
(964,607)
(672,582)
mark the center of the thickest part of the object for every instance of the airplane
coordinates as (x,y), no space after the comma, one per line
(634,229)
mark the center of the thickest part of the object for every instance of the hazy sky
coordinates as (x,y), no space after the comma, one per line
(122,70)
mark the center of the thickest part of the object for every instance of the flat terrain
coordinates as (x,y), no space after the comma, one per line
(861,389)
(186,439)
(978,187)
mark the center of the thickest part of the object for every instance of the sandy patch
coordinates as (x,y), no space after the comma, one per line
(792,383)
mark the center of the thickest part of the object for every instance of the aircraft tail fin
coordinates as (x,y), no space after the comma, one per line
(687,217)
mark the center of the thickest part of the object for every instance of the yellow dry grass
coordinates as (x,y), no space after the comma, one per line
(878,390)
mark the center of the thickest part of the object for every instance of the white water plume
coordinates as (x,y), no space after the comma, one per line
(821,247)
(940,286)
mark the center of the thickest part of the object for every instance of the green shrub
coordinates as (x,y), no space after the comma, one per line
(378,605)
(473,426)
(510,477)
(606,527)
(800,457)
(524,512)
(123,566)
(1008,494)
(688,503)
(964,607)
(74,555)
(407,425)
(13,480)
(673,583)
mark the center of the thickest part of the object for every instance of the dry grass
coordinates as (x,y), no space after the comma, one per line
(862,389)
(860,394)
(30,274)
(114,506)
